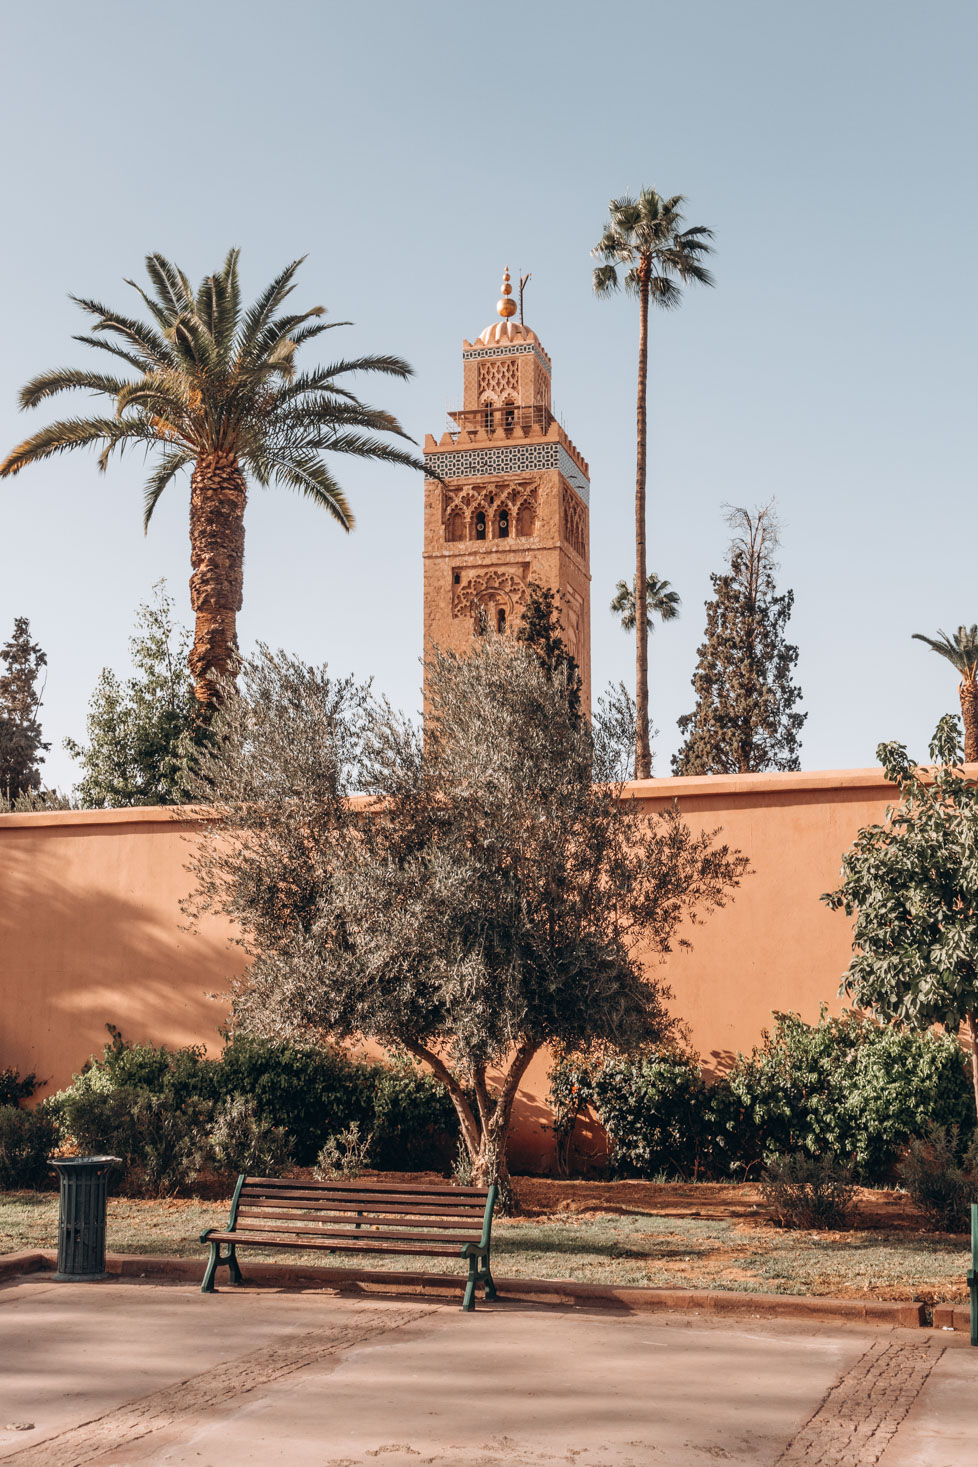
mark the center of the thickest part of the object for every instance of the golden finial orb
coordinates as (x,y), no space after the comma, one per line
(505,306)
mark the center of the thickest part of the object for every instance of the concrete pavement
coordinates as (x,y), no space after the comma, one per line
(135,1373)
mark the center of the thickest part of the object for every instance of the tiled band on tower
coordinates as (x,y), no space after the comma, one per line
(513,507)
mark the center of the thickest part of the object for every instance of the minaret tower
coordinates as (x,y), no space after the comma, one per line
(513,504)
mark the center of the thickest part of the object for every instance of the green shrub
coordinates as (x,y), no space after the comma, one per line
(14,1089)
(162,1148)
(27,1138)
(263,1105)
(311,1091)
(940,1172)
(805,1191)
(242,1141)
(850,1086)
(414,1124)
(346,1154)
(657,1114)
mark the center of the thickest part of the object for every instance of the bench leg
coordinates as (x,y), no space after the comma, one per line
(974,1312)
(468,1298)
(207,1287)
(491,1294)
(233,1269)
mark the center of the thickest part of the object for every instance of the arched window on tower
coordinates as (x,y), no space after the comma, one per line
(509,415)
(455,526)
(480,525)
(502,525)
(489,417)
(524,520)
(500,619)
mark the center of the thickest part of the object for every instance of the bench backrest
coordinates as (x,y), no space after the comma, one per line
(275,1204)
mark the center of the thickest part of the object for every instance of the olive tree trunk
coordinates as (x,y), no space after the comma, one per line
(485,1129)
(643,750)
(217,505)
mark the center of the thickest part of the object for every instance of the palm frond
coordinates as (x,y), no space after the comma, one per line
(68,379)
(172,286)
(961,650)
(155,349)
(258,316)
(605,279)
(308,474)
(117,351)
(170,464)
(66,434)
(362,446)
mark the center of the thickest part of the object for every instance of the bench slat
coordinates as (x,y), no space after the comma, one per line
(421,1239)
(355,1203)
(253,1217)
(346,1244)
(447,1190)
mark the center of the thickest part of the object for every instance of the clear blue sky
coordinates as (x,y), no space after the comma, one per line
(412,151)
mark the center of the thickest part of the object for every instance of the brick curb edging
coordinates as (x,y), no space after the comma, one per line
(892,1313)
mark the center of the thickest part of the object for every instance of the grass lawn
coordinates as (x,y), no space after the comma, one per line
(618,1246)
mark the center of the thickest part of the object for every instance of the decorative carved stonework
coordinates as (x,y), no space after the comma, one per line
(516,497)
(501,586)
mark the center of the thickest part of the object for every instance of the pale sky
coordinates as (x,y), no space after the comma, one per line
(412,151)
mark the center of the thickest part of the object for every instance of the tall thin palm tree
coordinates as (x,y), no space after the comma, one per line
(643,237)
(961,651)
(661,601)
(215,390)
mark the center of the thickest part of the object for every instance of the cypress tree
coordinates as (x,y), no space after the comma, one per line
(21,745)
(744,720)
(540,628)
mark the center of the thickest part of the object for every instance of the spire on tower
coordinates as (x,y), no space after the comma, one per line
(505,306)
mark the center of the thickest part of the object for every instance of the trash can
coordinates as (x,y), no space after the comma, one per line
(81,1216)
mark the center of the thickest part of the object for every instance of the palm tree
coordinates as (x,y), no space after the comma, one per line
(961,651)
(661,600)
(215,390)
(644,238)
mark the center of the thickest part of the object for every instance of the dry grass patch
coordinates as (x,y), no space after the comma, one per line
(619,1247)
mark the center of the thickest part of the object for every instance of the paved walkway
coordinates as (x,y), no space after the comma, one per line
(128,1374)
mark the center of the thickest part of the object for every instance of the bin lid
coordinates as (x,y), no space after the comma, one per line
(85,1160)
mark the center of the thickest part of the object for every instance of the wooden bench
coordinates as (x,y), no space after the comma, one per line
(358,1217)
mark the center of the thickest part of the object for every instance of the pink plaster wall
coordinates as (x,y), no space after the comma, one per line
(90,927)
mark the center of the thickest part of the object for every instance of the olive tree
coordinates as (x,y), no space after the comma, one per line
(912,885)
(490,893)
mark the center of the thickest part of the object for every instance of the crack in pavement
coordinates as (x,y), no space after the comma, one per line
(863,1410)
(199,1393)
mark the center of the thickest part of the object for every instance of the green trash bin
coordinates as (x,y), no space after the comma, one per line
(81,1216)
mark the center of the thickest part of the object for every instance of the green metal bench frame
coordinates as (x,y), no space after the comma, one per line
(477,1253)
(973,1273)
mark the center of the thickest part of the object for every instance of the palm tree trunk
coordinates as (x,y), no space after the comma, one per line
(217,504)
(969,717)
(643,751)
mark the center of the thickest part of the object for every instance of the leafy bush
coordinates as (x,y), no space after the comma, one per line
(344,1155)
(312,1091)
(805,1191)
(27,1138)
(414,1124)
(261,1107)
(657,1114)
(14,1088)
(941,1174)
(162,1148)
(242,1141)
(849,1086)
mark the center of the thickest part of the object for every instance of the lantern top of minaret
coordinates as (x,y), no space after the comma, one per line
(507,329)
